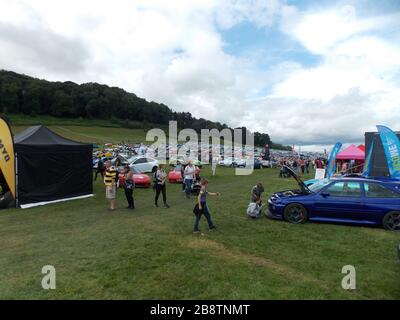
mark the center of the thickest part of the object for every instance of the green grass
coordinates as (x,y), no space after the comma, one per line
(99,135)
(87,130)
(151,253)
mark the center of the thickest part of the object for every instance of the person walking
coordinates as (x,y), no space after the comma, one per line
(319,164)
(302,165)
(308,166)
(100,168)
(295,165)
(189,178)
(183,177)
(129,185)
(202,208)
(110,183)
(161,177)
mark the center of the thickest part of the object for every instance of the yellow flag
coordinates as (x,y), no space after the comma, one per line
(7,162)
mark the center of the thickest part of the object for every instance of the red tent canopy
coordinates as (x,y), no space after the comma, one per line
(361,147)
(351,153)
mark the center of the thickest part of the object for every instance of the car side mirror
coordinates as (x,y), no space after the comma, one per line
(325,194)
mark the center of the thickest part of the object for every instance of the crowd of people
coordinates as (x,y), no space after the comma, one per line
(300,165)
(190,174)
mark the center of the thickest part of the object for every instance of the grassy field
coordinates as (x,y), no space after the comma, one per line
(85,130)
(99,135)
(151,253)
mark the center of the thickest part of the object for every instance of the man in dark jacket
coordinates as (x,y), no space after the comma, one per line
(100,168)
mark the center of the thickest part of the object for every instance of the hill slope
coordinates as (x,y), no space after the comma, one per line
(24,95)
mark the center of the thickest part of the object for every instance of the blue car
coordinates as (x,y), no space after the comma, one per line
(354,200)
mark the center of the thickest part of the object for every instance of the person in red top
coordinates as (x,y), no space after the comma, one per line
(319,164)
(302,165)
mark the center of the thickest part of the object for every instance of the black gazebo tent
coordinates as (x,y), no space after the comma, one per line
(50,167)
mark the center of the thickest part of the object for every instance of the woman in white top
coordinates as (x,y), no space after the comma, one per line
(189,175)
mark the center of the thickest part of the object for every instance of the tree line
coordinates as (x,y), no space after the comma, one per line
(21,94)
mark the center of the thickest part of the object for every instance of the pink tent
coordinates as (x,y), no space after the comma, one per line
(361,147)
(351,153)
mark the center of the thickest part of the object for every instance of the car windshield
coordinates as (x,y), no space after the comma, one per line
(135,170)
(315,187)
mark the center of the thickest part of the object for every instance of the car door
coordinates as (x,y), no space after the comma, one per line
(151,163)
(140,164)
(379,200)
(341,200)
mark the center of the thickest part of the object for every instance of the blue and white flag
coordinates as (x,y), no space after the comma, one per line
(391,146)
(330,169)
(367,163)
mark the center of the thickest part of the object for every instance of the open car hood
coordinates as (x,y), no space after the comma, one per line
(303,187)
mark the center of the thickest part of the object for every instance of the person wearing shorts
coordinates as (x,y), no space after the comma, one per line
(110,183)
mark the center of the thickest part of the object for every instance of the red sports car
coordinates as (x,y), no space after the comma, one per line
(141,180)
(175,176)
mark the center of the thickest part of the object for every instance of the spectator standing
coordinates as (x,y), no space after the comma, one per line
(303,165)
(295,165)
(308,166)
(189,173)
(110,183)
(161,177)
(129,185)
(319,164)
(183,178)
(100,168)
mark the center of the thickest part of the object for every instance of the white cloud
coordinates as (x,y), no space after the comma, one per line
(354,87)
(172,52)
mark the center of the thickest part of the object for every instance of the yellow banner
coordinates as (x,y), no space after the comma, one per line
(7,162)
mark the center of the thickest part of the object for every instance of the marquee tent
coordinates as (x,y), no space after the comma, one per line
(351,153)
(50,168)
(361,147)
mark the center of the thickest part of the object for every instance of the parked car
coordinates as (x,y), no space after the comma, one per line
(95,162)
(122,164)
(143,164)
(227,162)
(265,163)
(175,175)
(353,200)
(140,179)
(240,163)
(257,164)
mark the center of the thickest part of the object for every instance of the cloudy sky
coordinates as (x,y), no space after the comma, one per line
(306,72)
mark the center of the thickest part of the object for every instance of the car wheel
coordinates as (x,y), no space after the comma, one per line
(391,221)
(295,213)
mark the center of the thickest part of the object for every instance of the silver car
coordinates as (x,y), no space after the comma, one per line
(143,163)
